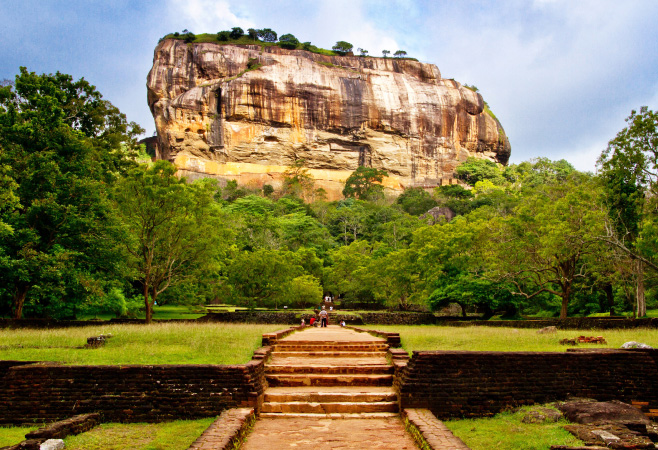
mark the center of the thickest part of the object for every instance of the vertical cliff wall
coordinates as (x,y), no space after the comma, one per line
(247,112)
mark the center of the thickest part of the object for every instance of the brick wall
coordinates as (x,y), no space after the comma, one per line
(572,323)
(464,384)
(130,393)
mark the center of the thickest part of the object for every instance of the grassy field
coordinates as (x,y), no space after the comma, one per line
(158,343)
(482,338)
(505,431)
(13,435)
(177,435)
(159,312)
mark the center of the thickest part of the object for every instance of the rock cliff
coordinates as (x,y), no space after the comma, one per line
(247,112)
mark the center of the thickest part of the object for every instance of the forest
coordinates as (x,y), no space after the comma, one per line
(89,224)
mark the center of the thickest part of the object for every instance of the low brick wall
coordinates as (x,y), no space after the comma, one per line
(130,393)
(573,323)
(469,384)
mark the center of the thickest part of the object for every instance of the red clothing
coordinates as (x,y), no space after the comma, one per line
(312,321)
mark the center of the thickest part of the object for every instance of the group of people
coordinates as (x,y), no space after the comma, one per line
(324,319)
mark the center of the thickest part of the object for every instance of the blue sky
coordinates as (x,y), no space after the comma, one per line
(561,75)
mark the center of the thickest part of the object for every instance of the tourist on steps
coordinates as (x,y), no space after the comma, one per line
(323,317)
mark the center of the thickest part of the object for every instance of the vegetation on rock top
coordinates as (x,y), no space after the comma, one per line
(268,38)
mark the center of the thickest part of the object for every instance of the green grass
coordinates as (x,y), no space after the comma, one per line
(165,312)
(13,435)
(483,338)
(505,431)
(158,343)
(176,435)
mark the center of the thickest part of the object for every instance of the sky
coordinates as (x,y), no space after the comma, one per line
(560,75)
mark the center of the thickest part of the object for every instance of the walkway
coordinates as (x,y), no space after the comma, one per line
(330,388)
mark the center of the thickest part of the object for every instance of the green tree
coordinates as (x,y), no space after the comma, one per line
(174,229)
(364,183)
(416,201)
(478,169)
(236,33)
(297,180)
(61,145)
(267,35)
(265,277)
(288,41)
(629,169)
(385,53)
(362,52)
(223,36)
(550,242)
(342,47)
(252,33)
(400,54)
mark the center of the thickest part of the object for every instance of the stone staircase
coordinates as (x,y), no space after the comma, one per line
(328,372)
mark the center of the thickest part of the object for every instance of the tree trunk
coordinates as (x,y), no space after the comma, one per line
(19,300)
(463,309)
(147,303)
(641,305)
(566,293)
(611,299)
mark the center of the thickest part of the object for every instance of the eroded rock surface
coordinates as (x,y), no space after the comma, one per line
(246,113)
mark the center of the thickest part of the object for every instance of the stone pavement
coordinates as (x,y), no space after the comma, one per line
(332,389)
(329,434)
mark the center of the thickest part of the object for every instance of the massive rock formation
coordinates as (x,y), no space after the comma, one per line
(247,112)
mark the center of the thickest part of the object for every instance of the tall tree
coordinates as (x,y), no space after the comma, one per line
(629,169)
(550,242)
(61,145)
(365,183)
(174,228)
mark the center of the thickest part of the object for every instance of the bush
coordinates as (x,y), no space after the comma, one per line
(223,36)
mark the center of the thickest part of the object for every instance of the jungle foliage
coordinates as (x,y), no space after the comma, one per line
(86,229)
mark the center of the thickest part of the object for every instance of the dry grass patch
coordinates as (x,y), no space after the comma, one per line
(158,343)
(483,338)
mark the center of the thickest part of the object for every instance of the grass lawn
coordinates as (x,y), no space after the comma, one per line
(158,343)
(505,431)
(159,312)
(483,338)
(177,435)
(13,435)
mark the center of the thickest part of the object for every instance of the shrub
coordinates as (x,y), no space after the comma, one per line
(223,36)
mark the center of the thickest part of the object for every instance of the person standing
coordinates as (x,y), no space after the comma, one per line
(323,317)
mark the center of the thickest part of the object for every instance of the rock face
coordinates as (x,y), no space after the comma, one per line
(248,112)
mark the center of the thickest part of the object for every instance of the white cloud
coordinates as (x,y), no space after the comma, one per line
(205,16)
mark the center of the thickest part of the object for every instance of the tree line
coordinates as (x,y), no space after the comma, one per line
(88,224)
(287,41)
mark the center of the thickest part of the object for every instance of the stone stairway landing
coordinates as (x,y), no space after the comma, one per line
(329,372)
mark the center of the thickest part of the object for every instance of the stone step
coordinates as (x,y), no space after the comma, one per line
(329,408)
(382,415)
(296,346)
(329,369)
(330,354)
(320,395)
(329,380)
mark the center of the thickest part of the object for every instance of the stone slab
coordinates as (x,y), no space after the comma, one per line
(337,434)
